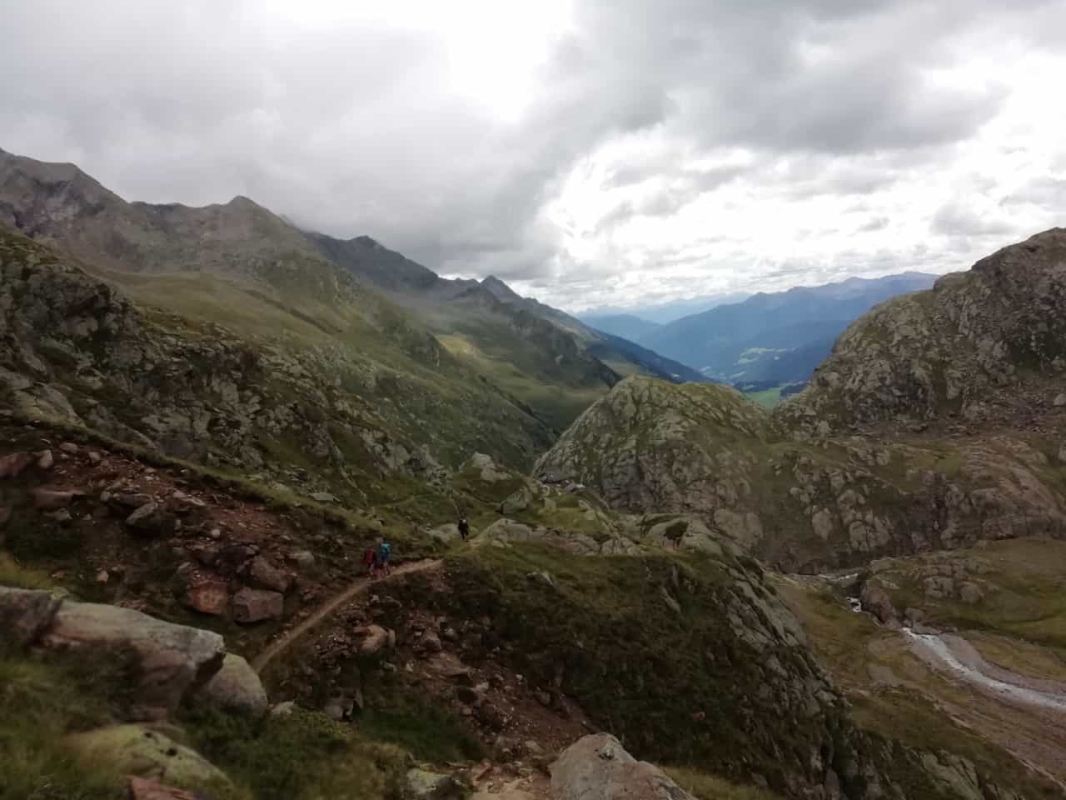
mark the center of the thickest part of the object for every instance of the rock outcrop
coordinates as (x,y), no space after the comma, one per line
(597,767)
(168,663)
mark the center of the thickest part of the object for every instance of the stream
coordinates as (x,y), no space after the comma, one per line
(934,646)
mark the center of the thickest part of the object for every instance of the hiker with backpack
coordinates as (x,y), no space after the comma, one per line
(464,529)
(384,554)
(370,561)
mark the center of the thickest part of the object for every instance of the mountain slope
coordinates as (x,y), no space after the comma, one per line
(627,326)
(985,347)
(525,345)
(988,344)
(775,337)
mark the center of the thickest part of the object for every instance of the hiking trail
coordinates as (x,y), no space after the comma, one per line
(261,661)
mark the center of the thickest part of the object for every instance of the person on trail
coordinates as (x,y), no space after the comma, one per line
(464,529)
(384,553)
(370,561)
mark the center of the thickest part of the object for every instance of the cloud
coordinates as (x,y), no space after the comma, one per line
(608,149)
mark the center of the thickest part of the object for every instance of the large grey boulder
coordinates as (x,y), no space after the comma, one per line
(256,605)
(169,659)
(24,615)
(597,767)
(235,687)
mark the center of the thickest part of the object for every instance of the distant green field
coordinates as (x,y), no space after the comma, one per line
(767,398)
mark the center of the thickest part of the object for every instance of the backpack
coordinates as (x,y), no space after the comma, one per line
(386,549)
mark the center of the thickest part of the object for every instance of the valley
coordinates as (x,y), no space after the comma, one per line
(209,416)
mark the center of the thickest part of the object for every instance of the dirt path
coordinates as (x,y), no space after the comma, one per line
(261,661)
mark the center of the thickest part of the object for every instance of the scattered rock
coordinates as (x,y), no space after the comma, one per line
(304,559)
(877,602)
(519,501)
(543,578)
(235,687)
(285,709)
(339,708)
(25,615)
(430,642)
(103,576)
(69,447)
(45,460)
(143,789)
(597,767)
(152,520)
(95,457)
(425,785)
(256,605)
(323,497)
(375,641)
(971,593)
(49,498)
(145,753)
(544,698)
(1060,400)
(13,464)
(265,575)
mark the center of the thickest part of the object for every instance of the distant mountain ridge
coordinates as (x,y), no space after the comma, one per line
(550,362)
(780,337)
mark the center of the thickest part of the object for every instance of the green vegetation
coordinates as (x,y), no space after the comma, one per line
(854,649)
(609,634)
(303,756)
(402,716)
(41,702)
(12,573)
(707,787)
(767,398)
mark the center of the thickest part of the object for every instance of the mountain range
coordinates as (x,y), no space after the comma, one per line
(768,339)
(600,581)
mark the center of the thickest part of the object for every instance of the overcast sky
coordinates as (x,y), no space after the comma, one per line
(591,152)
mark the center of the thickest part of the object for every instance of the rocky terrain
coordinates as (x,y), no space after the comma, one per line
(201,437)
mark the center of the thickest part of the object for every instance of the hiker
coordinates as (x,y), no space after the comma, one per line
(370,561)
(464,528)
(384,552)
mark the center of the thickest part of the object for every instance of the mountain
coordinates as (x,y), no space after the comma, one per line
(776,338)
(522,344)
(209,417)
(627,326)
(664,313)
(241,266)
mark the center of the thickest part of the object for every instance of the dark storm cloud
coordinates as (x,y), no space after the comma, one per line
(354,129)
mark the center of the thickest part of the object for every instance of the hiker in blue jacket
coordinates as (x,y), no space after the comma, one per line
(384,553)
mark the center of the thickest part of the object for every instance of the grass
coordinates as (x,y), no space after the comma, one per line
(402,717)
(12,573)
(848,644)
(707,787)
(41,701)
(303,756)
(638,668)
(767,398)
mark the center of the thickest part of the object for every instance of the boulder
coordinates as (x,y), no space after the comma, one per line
(445,534)
(304,559)
(45,460)
(235,687)
(264,575)
(211,598)
(24,615)
(151,519)
(285,709)
(256,605)
(168,659)
(12,465)
(425,785)
(519,501)
(375,641)
(1060,400)
(143,789)
(597,767)
(144,752)
(430,642)
(877,602)
(49,498)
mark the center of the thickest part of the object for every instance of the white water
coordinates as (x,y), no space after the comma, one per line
(938,648)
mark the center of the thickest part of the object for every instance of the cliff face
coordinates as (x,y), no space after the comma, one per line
(983,346)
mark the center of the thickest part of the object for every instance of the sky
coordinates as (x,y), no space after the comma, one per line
(591,153)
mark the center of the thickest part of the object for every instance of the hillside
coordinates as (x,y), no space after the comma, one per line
(241,266)
(627,326)
(775,338)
